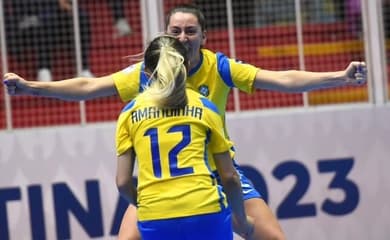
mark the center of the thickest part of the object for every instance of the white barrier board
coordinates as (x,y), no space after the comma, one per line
(324,174)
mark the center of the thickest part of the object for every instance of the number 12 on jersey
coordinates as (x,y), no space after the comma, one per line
(174,170)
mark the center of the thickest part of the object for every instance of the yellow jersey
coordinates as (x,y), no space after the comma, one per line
(172,146)
(214,77)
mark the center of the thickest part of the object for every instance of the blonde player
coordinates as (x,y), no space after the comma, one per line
(211,74)
(170,130)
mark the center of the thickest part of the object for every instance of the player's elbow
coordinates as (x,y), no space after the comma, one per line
(123,183)
(90,88)
(230,178)
(100,87)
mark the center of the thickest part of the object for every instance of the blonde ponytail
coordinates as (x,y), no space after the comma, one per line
(166,59)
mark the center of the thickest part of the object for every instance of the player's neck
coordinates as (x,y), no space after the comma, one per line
(194,63)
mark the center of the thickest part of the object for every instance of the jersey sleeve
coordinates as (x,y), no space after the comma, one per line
(122,137)
(236,73)
(127,82)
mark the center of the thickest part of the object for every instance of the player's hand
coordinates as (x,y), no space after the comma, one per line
(356,73)
(16,85)
(65,5)
(249,229)
(244,228)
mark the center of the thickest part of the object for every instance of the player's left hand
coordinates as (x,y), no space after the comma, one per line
(65,5)
(356,73)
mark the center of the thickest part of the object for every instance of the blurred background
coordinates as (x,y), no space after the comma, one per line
(41,40)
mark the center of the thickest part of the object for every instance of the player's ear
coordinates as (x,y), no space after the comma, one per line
(204,37)
(148,73)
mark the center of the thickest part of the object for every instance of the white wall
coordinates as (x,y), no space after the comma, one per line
(59,161)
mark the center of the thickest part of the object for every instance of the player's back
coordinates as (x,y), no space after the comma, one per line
(174,176)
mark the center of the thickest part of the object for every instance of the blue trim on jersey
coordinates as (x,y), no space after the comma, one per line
(224,69)
(233,149)
(212,175)
(128,106)
(205,150)
(208,134)
(196,68)
(220,194)
(209,104)
(144,79)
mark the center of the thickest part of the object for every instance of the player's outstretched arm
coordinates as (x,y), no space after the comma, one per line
(301,81)
(74,89)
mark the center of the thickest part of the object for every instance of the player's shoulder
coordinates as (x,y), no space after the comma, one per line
(129,106)
(207,52)
(131,70)
(137,102)
(213,56)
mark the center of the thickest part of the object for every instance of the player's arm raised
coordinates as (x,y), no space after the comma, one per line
(74,89)
(300,81)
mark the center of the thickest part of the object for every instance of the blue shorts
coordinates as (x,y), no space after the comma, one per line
(206,227)
(248,190)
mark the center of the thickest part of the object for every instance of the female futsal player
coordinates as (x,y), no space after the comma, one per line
(170,129)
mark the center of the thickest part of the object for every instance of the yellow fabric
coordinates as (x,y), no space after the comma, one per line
(174,176)
(214,78)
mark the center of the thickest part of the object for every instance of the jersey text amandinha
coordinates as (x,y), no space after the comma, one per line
(155,112)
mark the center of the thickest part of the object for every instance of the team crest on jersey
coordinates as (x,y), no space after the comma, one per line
(204,90)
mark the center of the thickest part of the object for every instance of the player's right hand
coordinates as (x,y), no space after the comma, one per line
(16,85)
(248,234)
(245,228)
